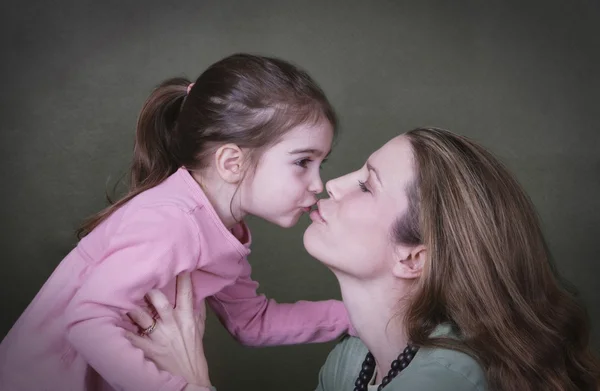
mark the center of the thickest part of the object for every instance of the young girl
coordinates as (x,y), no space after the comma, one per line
(247,137)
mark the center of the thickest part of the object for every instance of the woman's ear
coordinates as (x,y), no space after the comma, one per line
(410,262)
(229,159)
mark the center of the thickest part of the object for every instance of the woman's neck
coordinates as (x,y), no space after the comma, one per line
(221,196)
(376,313)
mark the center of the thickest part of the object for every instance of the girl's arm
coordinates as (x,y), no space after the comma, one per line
(148,251)
(254,320)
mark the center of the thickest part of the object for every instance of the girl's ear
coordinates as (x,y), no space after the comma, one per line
(228,162)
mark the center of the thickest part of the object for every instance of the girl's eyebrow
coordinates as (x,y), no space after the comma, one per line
(312,151)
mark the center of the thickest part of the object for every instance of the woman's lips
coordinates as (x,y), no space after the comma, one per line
(316,216)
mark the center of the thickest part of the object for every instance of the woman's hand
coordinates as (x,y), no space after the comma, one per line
(173,341)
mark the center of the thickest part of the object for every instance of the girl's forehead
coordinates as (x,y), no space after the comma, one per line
(308,136)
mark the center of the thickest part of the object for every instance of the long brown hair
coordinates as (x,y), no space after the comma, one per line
(245,99)
(489,272)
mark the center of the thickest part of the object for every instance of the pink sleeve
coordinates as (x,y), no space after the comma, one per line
(254,320)
(147,252)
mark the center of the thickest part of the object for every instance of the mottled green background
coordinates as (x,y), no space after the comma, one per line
(519,76)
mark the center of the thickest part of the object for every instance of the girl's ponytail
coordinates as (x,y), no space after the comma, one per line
(153,157)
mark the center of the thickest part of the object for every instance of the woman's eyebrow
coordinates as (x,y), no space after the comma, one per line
(371,168)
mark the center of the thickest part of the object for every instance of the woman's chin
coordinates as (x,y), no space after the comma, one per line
(313,242)
(317,247)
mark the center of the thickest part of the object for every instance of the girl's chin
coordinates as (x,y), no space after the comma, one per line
(285,221)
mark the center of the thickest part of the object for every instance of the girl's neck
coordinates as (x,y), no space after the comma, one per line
(376,313)
(221,196)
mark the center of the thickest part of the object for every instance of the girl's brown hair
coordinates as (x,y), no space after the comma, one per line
(248,100)
(489,272)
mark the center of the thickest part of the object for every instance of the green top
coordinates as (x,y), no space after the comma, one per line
(430,370)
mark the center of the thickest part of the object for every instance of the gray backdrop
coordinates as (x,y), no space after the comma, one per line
(522,79)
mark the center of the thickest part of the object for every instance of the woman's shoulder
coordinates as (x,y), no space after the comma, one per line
(435,369)
(342,365)
(349,353)
(432,369)
(443,368)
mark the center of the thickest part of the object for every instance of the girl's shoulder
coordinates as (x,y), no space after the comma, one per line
(179,191)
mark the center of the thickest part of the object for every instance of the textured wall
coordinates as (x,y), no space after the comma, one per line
(521,79)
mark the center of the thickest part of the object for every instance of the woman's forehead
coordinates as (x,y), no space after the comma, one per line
(394,162)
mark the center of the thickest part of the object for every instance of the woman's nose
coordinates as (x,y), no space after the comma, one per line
(332,189)
(328,188)
(337,188)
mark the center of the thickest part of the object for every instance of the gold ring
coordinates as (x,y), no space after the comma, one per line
(148,330)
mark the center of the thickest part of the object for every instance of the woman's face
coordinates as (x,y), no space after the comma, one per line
(351,231)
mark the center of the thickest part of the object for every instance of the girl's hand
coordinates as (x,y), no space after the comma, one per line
(173,341)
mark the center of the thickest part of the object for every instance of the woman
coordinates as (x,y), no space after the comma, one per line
(446,276)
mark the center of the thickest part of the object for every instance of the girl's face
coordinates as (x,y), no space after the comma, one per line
(287,178)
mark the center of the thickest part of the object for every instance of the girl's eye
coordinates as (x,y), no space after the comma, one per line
(302,162)
(363,187)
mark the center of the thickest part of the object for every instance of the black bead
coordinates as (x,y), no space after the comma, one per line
(368,368)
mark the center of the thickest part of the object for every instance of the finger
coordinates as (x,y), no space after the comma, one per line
(161,305)
(140,342)
(202,310)
(185,293)
(201,322)
(150,308)
(141,317)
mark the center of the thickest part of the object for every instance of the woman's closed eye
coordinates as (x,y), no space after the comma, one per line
(363,187)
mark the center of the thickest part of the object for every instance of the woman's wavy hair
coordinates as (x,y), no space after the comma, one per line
(489,272)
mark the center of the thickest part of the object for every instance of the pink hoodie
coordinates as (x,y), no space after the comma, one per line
(71,336)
